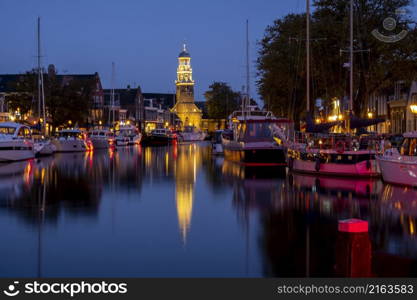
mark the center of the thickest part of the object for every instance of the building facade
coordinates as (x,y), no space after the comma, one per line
(128,105)
(185,108)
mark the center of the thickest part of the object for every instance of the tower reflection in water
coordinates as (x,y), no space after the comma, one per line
(187,164)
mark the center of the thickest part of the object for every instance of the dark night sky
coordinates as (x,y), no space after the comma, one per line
(143,38)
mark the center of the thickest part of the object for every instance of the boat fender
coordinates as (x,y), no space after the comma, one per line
(317,166)
(340,147)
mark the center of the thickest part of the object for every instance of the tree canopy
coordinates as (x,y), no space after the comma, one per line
(377,64)
(221,100)
(64,101)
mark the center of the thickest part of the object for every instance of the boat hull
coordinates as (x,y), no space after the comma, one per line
(15,151)
(256,157)
(135,140)
(157,140)
(70,145)
(44,148)
(100,143)
(365,168)
(398,172)
(192,136)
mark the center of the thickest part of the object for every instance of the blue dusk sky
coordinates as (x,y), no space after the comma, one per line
(142,37)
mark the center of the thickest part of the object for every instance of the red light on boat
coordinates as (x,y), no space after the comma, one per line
(353,226)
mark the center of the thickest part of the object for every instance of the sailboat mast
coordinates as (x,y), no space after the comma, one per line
(351,57)
(247,68)
(308,55)
(112,90)
(39,66)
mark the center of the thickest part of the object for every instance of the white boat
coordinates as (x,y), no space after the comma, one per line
(70,140)
(101,138)
(128,135)
(400,167)
(191,134)
(16,142)
(217,146)
(43,147)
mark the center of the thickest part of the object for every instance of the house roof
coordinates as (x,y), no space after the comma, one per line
(125,96)
(165,100)
(7,81)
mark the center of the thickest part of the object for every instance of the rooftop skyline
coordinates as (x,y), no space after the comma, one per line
(142,38)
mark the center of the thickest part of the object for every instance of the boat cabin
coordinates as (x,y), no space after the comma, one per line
(15,130)
(70,134)
(100,133)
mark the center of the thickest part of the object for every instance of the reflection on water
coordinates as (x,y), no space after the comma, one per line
(179,211)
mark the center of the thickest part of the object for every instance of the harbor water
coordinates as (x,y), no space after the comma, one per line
(179,211)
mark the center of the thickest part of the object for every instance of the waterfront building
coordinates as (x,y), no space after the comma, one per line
(157,111)
(128,106)
(13,84)
(185,108)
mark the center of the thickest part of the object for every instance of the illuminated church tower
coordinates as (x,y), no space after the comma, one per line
(185,107)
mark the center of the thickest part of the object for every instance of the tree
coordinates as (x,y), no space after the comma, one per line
(23,99)
(64,99)
(70,101)
(282,67)
(221,100)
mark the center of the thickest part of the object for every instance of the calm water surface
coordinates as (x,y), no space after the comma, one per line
(180,212)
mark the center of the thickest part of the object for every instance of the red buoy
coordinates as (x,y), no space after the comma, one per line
(353,225)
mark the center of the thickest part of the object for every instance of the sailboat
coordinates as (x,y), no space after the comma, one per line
(41,145)
(250,139)
(333,154)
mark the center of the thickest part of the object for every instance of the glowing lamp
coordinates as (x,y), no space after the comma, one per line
(353,226)
(370,115)
(413,108)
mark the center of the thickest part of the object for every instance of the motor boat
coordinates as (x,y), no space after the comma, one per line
(334,154)
(128,135)
(16,142)
(43,147)
(191,134)
(217,147)
(160,136)
(251,139)
(101,138)
(400,167)
(70,140)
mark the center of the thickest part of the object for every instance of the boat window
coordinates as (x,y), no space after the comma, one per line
(258,130)
(27,133)
(101,133)
(7,130)
(409,147)
(21,133)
